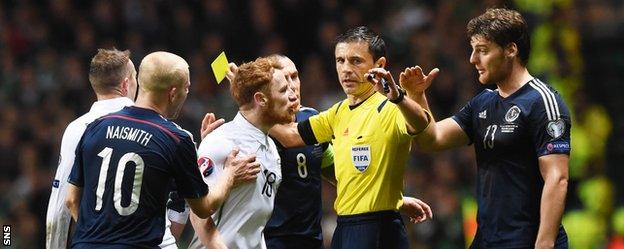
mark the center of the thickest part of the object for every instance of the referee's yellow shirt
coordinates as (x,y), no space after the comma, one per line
(371,146)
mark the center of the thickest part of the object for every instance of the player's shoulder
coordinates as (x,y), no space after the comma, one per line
(221,139)
(181,132)
(306,112)
(78,125)
(84,120)
(485,95)
(539,90)
(156,124)
(542,96)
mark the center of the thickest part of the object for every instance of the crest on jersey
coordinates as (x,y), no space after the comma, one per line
(555,128)
(206,167)
(361,157)
(512,114)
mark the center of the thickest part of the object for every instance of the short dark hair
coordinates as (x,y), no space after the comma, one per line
(376,45)
(503,26)
(108,68)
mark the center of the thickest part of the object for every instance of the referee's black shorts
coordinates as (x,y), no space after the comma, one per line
(384,229)
(293,241)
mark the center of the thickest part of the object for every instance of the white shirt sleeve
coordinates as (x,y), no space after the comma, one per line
(58,217)
(212,153)
(179,217)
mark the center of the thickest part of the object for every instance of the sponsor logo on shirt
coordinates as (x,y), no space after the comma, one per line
(483,114)
(558,146)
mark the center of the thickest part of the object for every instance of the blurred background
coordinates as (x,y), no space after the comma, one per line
(46,46)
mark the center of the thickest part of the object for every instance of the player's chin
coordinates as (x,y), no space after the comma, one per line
(483,79)
(286,119)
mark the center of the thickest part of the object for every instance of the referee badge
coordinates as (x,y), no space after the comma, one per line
(555,128)
(361,157)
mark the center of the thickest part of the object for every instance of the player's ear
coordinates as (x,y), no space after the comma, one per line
(381,62)
(125,86)
(172,94)
(511,50)
(260,99)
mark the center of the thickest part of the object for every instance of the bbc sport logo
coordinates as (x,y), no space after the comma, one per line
(6,235)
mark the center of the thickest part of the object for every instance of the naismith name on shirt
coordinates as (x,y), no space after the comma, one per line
(128,133)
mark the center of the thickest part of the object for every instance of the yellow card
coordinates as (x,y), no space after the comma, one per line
(220,67)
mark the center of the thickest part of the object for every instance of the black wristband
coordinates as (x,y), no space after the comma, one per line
(399,98)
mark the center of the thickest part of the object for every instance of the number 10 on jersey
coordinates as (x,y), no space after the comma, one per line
(106,155)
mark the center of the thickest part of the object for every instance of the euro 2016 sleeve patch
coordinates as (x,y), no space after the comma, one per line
(206,167)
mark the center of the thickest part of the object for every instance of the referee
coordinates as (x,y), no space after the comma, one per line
(371,134)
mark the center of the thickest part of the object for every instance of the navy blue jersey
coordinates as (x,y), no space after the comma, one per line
(297,209)
(509,135)
(126,163)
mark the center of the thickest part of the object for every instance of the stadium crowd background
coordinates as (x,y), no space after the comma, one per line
(46,46)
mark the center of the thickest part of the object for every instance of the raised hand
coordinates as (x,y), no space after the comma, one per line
(414,81)
(243,169)
(209,124)
(417,210)
(379,73)
(231,73)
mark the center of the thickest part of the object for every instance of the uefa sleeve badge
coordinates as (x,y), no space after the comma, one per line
(556,128)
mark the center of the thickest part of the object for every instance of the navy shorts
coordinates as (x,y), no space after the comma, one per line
(293,241)
(384,230)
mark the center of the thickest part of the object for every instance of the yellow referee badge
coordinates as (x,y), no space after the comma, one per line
(220,67)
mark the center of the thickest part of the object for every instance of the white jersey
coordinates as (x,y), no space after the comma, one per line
(58,217)
(243,215)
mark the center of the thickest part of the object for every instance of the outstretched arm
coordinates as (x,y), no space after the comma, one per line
(287,134)
(236,171)
(440,135)
(415,116)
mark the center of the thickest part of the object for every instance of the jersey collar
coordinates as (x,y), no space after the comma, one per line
(251,130)
(111,105)
(368,101)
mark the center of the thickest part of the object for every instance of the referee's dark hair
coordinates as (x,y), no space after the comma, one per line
(376,45)
(503,26)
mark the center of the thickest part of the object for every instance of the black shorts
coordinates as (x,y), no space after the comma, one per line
(384,230)
(293,241)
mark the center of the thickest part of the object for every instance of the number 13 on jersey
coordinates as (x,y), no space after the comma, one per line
(488,142)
